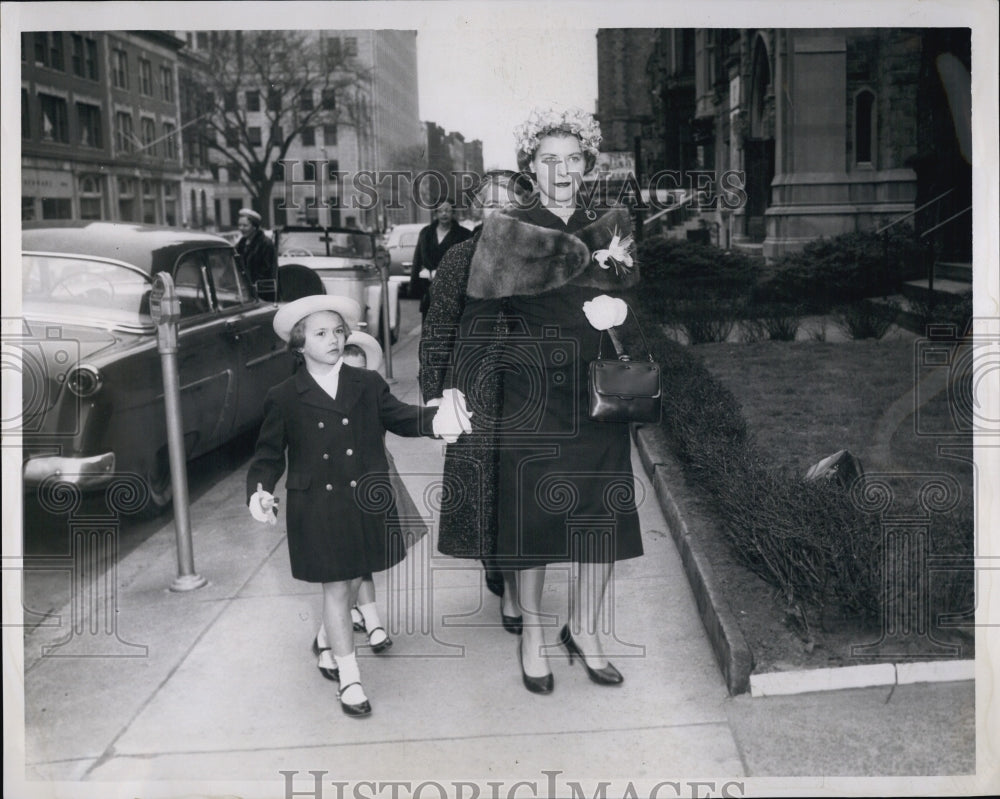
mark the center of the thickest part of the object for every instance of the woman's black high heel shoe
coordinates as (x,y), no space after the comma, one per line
(537,685)
(512,624)
(608,675)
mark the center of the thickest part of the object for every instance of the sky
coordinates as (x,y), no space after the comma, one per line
(481,83)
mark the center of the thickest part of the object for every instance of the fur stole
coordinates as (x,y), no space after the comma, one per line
(519,258)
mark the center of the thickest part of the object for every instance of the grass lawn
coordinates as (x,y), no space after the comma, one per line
(805,400)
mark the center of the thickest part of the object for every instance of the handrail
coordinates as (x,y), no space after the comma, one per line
(687,200)
(945,222)
(915,211)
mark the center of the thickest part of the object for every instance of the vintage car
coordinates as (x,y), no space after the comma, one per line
(92,385)
(346,261)
(400,241)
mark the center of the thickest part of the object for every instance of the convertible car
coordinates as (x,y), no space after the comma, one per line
(92,387)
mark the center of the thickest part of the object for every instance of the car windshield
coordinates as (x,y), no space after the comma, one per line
(78,287)
(327,243)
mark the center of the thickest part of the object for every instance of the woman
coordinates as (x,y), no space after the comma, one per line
(433,242)
(468,514)
(565,485)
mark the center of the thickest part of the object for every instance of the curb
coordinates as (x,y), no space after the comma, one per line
(732,652)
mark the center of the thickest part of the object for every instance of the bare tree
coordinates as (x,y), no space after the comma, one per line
(295,80)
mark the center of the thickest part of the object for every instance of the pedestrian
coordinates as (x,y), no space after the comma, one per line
(256,250)
(433,242)
(364,352)
(330,419)
(566,492)
(468,517)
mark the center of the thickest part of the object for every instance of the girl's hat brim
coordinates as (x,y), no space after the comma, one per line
(370,345)
(288,315)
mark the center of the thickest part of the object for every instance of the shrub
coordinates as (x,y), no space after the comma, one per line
(682,269)
(842,269)
(866,319)
(946,310)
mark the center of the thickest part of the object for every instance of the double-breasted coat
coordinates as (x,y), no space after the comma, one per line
(341,510)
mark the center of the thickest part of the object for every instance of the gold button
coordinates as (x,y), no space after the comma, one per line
(321,425)
(329,487)
(354,483)
(326,456)
(350,452)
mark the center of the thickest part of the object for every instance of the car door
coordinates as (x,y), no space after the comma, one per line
(207,361)
(261,359)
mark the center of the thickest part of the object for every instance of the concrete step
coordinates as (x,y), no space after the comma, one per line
(952,270)
(919,289)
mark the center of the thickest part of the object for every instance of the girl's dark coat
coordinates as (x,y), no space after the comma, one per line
(341,512)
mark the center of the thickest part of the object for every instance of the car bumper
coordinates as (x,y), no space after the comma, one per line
(91,472)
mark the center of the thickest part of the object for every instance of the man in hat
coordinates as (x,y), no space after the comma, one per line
(260,260)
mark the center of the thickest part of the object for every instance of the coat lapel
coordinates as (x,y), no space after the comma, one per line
(349,389)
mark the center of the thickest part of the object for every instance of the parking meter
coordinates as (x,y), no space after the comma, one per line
(165,311)
(382,260)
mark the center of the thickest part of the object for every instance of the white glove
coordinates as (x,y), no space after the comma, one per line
(433,403)
(262,506)
(605,312)
(453,417)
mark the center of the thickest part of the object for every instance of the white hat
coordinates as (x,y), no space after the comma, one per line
(370,345)
(287,315)
(249,213)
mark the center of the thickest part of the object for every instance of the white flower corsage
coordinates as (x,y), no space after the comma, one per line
(617,255)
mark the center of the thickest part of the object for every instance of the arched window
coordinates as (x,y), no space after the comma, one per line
(864,128)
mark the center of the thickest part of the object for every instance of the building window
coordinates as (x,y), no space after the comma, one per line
(309,136)
(25,115)
(202,40)
(49,52)
(253,101)
(57,208)
(89,124)
(306,100)
(329,99)
(90,59)
(126,199)
(231,136)
(229,100)
(28,209)
(351,46)
(78,55)
(91,197)
(147,129)
(145,77)
(253,134)
(864,127)
(233,172)
(124,141)
(167,82)
(333,52)
(169,140)
(273,99)
(329,135)
(119,69)
(170,203)
(55,126)
(149,202)
(277,134)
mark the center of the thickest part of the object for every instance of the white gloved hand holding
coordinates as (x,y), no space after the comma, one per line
(604,312)
(453,417)
(262,506)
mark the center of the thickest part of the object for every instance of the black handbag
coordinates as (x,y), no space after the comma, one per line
(623,390)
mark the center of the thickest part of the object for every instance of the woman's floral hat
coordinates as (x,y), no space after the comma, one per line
(543,121)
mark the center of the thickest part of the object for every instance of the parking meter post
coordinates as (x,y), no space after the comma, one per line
(164,308)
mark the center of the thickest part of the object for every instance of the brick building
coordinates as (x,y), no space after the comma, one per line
(99,126)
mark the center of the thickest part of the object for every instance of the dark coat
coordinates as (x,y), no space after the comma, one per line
(429,252)
(260,262)
(341,511)
(468,519)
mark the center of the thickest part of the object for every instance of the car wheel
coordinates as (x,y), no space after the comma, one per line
(159,484)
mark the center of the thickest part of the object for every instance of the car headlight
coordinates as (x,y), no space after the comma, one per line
(84,381)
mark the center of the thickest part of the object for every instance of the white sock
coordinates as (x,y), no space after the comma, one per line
(370,613)
(356,617)
(350,673)
(321,637)
(326,660)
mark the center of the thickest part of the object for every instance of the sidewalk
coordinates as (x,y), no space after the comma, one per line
(219,684)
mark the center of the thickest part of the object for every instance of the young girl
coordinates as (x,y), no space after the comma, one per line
(364,352)
(331,419)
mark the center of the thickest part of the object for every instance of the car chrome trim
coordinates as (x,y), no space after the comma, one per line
(83,472)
